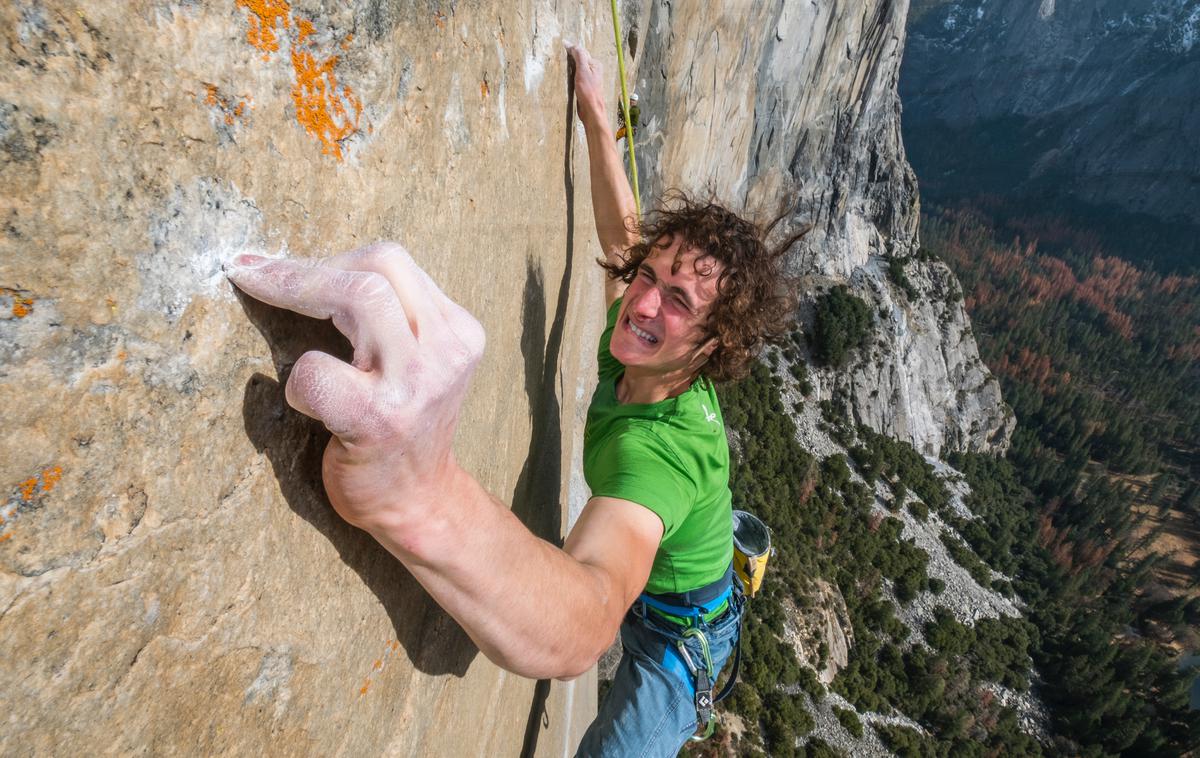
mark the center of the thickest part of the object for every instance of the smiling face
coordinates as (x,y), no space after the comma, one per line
(660,328)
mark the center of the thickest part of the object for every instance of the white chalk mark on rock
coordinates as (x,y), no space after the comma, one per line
(202,225)
(545,35)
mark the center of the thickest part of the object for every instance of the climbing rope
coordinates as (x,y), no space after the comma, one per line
(637,198)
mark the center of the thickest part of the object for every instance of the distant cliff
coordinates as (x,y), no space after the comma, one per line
(1093,101)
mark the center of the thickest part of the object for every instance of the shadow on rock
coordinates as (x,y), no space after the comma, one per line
(294,444)
(536,498)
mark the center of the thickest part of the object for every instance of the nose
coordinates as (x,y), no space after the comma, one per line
(647,305)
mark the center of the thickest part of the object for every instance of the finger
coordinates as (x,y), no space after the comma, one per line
(419,295)
(362,305)
(431,312)
(334,393)
(580,55)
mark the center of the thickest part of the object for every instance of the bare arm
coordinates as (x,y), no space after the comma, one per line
(533,608)
(612,197)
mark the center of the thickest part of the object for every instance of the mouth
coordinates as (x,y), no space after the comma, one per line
(641,334)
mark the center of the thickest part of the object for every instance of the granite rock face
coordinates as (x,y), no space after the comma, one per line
(172,578)
(825,622)
(792,107)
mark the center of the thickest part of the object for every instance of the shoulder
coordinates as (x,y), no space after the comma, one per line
(639,438)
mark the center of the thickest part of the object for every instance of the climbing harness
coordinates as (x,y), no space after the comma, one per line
(637,198)
(688,610)
(743,579)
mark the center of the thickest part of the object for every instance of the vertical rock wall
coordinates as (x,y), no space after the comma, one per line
(792,107)
(171,576)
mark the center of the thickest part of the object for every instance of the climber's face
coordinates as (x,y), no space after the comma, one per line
(660,328)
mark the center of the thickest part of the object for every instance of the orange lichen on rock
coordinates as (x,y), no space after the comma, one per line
(28,488)
(379,664)
(327,110)
(304,29)
(264,16)
(40,484)
(27,494)
(226,108)
(22,304)
(51,477)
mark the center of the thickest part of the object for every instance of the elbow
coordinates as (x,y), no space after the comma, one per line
(582,664)
(573,677)
(564,662)
(587,657)
(564,669)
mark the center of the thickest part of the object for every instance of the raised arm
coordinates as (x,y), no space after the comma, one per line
(612,197)
(533,608)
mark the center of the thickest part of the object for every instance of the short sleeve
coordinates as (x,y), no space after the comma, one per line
(608,366)
(638,466)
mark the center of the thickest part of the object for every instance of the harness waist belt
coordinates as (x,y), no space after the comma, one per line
(700,602)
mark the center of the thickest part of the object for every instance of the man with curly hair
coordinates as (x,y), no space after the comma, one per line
(692,292)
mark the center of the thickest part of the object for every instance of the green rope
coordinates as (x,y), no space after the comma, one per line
(637,198)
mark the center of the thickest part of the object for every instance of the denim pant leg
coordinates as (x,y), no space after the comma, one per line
(650,710)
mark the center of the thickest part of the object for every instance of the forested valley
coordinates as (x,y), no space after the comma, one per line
(1087,524)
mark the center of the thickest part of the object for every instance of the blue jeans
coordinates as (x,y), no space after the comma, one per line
(650,710)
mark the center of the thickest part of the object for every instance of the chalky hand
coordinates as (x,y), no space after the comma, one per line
(587,83)
(394,408)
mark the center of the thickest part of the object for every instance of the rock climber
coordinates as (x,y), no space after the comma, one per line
(692,293)
(635,118)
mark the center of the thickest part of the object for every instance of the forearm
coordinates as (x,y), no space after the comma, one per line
(530,607)
(612,197)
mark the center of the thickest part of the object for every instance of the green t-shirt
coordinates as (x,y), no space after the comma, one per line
(673,458)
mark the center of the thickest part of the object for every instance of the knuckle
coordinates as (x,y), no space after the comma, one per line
(379,255)
(474,338)
(471,337)
(369,285)
(388,250)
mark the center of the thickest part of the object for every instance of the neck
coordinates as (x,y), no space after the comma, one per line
(634,387)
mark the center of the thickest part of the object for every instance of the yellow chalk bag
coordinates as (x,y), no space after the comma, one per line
(751,549)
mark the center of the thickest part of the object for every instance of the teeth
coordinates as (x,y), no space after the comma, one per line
(644,335)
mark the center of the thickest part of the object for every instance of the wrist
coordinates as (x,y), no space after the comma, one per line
(593,113)
(421,524)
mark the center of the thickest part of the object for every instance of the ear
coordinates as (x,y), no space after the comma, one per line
(709,346)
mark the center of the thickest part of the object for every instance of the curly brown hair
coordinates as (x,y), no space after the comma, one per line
(754,298)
